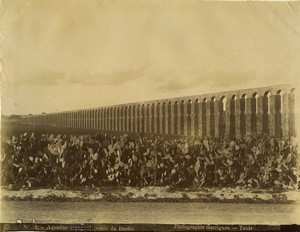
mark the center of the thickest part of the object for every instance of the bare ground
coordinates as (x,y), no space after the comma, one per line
(155,194)
(149,212)
(151,205)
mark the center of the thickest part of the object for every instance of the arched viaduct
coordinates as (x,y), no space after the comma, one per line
(266,110)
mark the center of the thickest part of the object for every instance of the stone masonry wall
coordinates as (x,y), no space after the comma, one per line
(266,110)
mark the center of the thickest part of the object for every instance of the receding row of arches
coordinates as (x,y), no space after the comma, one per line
(272,114)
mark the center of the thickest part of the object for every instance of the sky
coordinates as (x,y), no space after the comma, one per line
(62,55)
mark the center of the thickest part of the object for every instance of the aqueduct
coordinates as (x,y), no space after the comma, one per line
(266,110)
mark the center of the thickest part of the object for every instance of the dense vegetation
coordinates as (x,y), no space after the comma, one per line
(45,160)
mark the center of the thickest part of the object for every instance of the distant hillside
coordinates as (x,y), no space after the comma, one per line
(11,118)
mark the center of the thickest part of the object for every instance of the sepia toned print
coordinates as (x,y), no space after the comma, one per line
(146,114)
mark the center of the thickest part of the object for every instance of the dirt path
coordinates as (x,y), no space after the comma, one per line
(147,212)
(154,194)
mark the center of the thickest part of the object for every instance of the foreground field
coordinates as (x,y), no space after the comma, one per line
(151,205)
(147,204)
(146,212)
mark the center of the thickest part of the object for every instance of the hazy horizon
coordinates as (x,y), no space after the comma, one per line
(149,100)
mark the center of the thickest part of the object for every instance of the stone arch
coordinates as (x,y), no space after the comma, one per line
(278,113)
(49,117)
(204,119)
(108,119)
(152,130)
(147,129)
(113,119)
(292,91)
(222,116)
(104,119)
(121,113)
(65,119)
(232,115)
(112,116)
(292,121)
(125,115)
(243,103)
(90,116)
(87,125)
(254,111)
(98,118)
(106,122)
(169,118)
(196,117)
(57,116)
(266,103)
(158,118)
(243,108)
(117,118)
(138,117)
(278,101)
(176,125)
(95,118)
(73,119)
(82,119)
(79,119)
(212,116)
(90,119)
(182,104)
(68,119)
(76,120)
(85,116)
(129,118)
(266,111)
(134,128)
(189,117)
(163,119)
(143,118)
